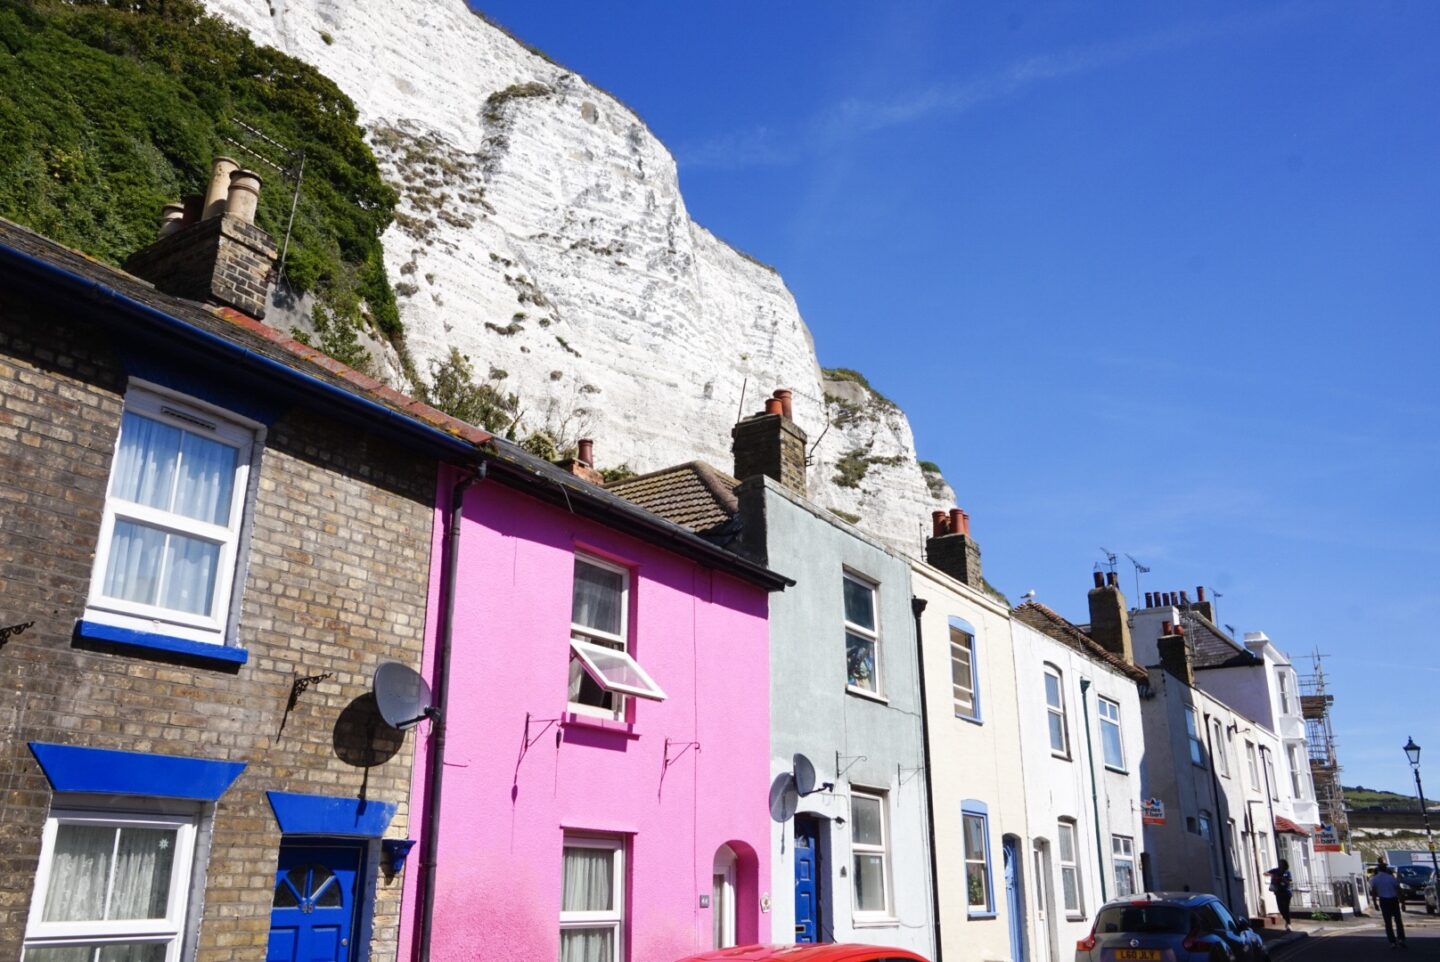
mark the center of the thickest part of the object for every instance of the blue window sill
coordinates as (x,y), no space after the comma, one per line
(200,651)
(972,719)
(981,915)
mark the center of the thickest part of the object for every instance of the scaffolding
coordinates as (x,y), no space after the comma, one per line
(1315,702)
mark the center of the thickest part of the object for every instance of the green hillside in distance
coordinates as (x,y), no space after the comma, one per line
(112,108)
(1360,798)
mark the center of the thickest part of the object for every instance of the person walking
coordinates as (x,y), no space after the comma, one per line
(1386,888)
(1280,883)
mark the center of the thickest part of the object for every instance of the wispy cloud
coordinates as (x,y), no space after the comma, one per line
(853,118)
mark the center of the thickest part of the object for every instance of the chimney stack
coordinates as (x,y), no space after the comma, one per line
(771,443)
(1203,605)
(953,550)
(1110,617)
(1175,653)
(209,248)
(583,464)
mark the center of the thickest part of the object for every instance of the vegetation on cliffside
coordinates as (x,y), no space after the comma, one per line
(111,108)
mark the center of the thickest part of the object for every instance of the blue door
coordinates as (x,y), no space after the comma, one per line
(807,884)
(316,893)
(1015,898)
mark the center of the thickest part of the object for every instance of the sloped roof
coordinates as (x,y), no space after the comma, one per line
(1212,646)
(1047,621)
(693,495)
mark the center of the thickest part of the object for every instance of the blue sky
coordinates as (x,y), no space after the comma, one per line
(1161,278)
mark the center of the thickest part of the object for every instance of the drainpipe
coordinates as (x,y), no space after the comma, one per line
(1215,793)
(917,608)
(438,724)
(1094,794)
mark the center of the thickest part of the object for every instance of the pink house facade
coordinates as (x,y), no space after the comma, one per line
(607,725)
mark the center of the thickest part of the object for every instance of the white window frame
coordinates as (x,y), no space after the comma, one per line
(1122,854)
(1192,731)
(157,404)
(1058,711)
(1282,678)
(1270,771)
(583,635)
(1108,712)
(1252,765)
(1205,828)
(1235,849)
(1292,759)
(612,918)
(869,634)
(170,929)
(882,800)
(1222,757)
(972,711)
(1067,827)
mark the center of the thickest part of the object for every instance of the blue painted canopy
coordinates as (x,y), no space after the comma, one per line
(106,772)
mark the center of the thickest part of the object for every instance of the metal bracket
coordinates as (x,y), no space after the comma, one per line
(683,746)
(849,760)
(7,633)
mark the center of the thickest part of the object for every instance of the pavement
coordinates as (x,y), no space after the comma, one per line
(1355,939)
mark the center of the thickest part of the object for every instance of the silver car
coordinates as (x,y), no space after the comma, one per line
(1169,927)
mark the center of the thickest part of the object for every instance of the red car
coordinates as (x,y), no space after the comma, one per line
(807,953)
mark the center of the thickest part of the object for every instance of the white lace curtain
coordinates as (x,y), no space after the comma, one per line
(589,887)
(597,597)
(103,872)
(163,467)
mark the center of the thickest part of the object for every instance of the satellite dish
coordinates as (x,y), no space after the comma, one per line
(804,774)
(401,695)
(784,800)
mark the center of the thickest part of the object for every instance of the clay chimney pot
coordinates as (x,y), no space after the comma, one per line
(1099,577)
(786,403)
(773,405)
(957,522)
(244,195)
(586,455)
(218,193)
(938,524)
(172,218)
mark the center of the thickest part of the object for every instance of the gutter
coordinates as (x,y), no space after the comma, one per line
(917,608)
(213,342)
(436,759)
(1094,794)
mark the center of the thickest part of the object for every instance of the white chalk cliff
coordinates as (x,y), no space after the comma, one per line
(541,231)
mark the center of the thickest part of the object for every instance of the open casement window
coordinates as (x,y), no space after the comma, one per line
(869,845)
(1217,738)
(170,532)
(602,671)
(1111,741)
(1055,713)
(592,903)
(1069,868)
(862,638)
(1252,766)
(1297,777)
(110,887)
(1122,853)
(962,674)
(1207,832)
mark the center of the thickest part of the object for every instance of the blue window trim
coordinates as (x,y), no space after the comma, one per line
(213,384)
(973,806)
(216,655)
(103,771)
(969,629)
(345,817)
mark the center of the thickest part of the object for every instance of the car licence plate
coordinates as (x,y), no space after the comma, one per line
(1137,955)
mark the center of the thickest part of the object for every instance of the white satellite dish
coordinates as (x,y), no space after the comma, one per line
(402,696)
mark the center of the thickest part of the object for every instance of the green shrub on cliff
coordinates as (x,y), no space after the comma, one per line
(111,108)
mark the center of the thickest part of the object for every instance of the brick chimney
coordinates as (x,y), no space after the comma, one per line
(1203,605)
(951,549)
(210,250)
(583,464)
(1110,618)
(772,444)
(1175,653)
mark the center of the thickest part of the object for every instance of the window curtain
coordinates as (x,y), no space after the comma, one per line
(597,598)
(589,880)
(84,861)
(587,945)
(154,568)
(151,456)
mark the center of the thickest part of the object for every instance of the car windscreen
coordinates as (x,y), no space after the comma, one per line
(1155,919)
(1414,873)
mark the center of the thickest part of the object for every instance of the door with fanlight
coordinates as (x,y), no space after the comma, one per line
(312,918)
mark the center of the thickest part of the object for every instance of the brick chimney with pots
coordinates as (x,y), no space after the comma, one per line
(951,548)
(772,444)
(1110,618)
(1203,605)
(209,249)
(1175,653)
(583,464)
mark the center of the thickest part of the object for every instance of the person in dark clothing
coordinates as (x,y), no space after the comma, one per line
(1280,884)
(1386,888)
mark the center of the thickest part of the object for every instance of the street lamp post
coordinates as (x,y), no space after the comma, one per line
(1412,752)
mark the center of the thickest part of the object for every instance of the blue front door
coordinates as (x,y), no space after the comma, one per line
(807,885)
(1015,897)
(316,894)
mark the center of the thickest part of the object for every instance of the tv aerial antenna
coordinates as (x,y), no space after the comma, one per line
(291,166)
(403,697)
(1110,561)
(1139,570)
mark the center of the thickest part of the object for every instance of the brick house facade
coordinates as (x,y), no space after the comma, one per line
(331,573)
